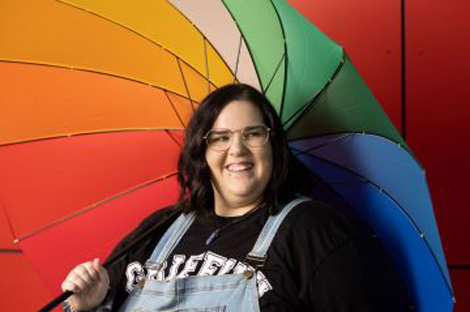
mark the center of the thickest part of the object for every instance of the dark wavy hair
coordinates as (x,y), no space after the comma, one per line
(288,179)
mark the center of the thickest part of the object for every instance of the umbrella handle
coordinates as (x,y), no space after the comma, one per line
(58,300)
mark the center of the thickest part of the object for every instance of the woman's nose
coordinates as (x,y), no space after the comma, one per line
(237,146)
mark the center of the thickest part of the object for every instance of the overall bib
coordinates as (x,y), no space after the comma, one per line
(229,293)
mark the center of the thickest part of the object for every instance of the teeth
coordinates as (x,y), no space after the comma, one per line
(239,167)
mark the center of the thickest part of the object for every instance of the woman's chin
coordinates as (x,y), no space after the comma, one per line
(243,194)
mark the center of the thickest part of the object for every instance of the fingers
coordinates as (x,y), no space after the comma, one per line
(74,283)
(90,269)
(68,285)
(82,276)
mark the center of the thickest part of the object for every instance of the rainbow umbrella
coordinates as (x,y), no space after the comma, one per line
(95,95)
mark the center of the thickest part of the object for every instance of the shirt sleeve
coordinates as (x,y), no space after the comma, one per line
(357,276)
(106,305)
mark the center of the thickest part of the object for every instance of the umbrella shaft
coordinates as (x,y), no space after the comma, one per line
(54,303)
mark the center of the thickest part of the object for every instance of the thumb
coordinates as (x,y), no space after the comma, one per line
(102,273)
(96,264)
(98,267)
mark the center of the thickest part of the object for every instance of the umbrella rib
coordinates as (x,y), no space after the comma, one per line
(174,108)
(206,59)
(410,152)
(185,83)
(11,251)
(203,36)
(94,72)
(238,58)
(344,136)
(246,43)
(399,207)
(93,206)
(307,106)
(171,136)
(7,218)
(131,30)
(285,62)
(336,139)
(275,73)
(61,136)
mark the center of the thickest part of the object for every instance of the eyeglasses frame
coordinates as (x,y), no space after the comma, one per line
(268,130)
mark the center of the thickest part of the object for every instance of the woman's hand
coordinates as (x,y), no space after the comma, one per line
(90,282)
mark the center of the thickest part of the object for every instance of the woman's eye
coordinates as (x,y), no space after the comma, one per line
(220,138)
(253,134)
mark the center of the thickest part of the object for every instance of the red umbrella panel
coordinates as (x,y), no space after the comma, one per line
(62,178)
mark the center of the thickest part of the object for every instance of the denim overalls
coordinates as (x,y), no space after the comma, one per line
(230,292)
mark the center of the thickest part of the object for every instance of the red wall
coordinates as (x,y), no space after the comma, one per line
(437,102)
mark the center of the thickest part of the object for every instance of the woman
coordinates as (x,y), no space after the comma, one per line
(246,238)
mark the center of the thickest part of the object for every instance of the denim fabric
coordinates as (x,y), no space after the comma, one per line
(232,292)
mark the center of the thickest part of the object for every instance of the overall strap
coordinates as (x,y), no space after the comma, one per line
(258,254)
(170,239)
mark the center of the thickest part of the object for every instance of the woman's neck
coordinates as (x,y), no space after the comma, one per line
(224,208)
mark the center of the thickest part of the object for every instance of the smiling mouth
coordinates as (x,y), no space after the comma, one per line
(239,167)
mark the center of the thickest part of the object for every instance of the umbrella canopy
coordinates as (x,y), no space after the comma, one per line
(95,95)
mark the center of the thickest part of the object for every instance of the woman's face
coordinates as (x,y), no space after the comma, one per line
(240,174)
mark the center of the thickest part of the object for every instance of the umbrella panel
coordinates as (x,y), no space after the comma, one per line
(53,101)
(386,165)
(259,24)
(55,251)
(45,181)
(306,73)
(409,251)
(21,288)
(337,110)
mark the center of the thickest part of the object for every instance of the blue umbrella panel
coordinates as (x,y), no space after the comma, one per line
(388,189)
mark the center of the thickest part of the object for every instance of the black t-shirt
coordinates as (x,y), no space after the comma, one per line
(319,260)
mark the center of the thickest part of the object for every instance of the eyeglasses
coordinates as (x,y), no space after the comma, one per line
(252,136)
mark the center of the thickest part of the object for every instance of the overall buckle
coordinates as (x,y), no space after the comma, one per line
(256,262)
